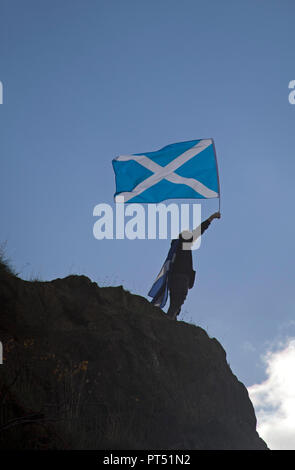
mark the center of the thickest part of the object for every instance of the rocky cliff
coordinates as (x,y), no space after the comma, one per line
(86,367)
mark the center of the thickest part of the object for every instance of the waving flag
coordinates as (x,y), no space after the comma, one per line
(159,289)
(181,170)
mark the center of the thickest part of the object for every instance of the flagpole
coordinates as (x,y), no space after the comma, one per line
(217,171)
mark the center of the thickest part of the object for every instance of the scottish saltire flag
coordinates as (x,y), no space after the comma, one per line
(181,170)
(159,289)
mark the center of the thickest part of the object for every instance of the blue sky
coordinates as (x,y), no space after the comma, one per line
(85,81)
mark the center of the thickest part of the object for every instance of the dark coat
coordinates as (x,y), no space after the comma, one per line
(183,261)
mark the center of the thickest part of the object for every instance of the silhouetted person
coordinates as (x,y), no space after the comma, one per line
(181,275)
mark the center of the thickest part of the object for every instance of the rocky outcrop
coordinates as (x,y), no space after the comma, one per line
(87,367)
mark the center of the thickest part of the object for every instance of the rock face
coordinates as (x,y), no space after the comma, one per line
(86,367)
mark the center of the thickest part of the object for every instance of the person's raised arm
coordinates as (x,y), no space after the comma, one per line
(204,225)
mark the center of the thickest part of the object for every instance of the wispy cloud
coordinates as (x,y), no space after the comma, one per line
(274,399)
(248,347)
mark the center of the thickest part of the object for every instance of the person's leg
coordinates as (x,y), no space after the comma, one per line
(174,307)
(178,291)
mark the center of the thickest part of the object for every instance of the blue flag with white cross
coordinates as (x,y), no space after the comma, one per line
(180,170)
